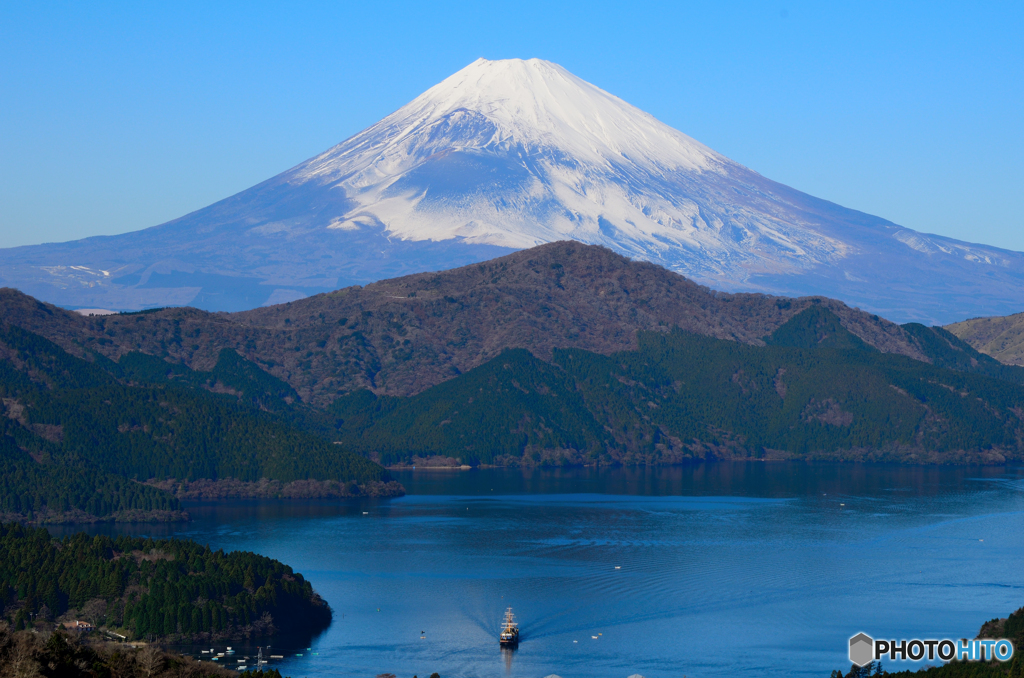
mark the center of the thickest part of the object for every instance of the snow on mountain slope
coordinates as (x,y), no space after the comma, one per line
(517,153)
(506,155)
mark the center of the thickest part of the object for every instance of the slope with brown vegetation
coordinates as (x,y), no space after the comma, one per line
(401,336)
(46,653)
(1001,337)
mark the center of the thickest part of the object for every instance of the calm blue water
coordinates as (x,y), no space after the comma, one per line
(708,570)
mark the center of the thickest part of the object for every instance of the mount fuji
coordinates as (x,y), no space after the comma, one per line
(506,155)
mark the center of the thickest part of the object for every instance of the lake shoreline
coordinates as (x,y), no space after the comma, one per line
(897,456)
(230,488)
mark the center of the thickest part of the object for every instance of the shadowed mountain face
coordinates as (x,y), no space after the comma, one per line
(506,155)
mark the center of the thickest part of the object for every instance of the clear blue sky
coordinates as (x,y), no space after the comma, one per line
(115,117)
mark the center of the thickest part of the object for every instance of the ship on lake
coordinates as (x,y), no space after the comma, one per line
(509,630)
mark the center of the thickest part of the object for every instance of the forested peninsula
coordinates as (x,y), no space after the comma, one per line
(168,590)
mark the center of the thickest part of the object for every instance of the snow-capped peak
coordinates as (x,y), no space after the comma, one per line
(520,152)
(541,102)
(535,103)
(517,153)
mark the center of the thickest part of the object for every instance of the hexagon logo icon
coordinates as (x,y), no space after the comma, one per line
(862,649)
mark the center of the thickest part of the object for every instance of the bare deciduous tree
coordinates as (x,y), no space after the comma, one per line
(21,660)
(94,611)
(150,661)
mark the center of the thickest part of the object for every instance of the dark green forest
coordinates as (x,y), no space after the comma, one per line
(955,669)
(77,434)
(815,391)
(28,488)
(153,589)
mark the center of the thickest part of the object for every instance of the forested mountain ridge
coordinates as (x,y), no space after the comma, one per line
(401,336)
(566,353)
(76,436)
(815,392)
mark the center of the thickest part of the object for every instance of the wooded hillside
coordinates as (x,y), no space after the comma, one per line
(815,392)
(164,589)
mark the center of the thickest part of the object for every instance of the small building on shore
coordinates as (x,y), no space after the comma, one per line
(78,625)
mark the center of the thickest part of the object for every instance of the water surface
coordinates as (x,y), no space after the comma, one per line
(722,569)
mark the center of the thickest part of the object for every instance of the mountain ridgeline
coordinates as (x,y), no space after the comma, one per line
(1000,337)
(564,354)
(80,436)
(505,155)
(816,391)
(399,337)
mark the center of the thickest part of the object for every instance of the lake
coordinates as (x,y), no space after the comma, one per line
(717,569)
